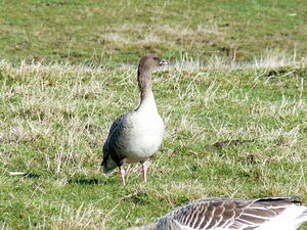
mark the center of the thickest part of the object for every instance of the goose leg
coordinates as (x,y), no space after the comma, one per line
(123,174)
(145,166)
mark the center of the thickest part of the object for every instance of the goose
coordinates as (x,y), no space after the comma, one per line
(280,213)
(135,136)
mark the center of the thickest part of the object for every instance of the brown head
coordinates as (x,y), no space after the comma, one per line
(147,64)
(150,62)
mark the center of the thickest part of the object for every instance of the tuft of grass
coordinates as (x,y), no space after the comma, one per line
(80,218)
(233,129)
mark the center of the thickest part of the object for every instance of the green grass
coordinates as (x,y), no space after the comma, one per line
(237,132)
(233,101)
(119,31)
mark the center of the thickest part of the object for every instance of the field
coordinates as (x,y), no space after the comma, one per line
(233,99)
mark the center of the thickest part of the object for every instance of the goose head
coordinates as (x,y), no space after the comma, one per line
(150,62)
(147,64)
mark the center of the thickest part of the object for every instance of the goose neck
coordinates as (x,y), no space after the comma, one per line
(147,102)
(145,86)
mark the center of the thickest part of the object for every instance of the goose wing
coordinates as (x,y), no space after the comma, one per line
(110,155)
(114,128)
(213,214)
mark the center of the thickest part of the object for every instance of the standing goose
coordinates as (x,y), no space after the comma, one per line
(277,213)
(135,136)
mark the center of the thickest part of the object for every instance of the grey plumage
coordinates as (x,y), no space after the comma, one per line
(108,148)
(228,214)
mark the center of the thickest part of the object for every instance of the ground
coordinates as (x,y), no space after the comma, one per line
(233,99)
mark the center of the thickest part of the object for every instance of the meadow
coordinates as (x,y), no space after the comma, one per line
(233,99)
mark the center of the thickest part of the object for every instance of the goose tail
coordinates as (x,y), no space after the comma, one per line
(108,165)
(303,217)
(299,215)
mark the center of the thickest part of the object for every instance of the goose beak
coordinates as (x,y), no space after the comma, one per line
(163,62)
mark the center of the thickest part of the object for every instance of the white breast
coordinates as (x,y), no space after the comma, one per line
(145,136)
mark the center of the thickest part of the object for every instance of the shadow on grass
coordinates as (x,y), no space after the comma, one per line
(87,181)
(32,175)
(223,144)
(249,159)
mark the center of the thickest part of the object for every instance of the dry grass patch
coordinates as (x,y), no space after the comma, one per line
(82,218)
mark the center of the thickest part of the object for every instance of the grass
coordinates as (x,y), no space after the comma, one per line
(233,99)
(110,32)
(234,132)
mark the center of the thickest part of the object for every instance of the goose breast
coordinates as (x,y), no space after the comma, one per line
(142,136)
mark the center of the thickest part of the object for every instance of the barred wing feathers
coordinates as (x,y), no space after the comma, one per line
(218,213)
